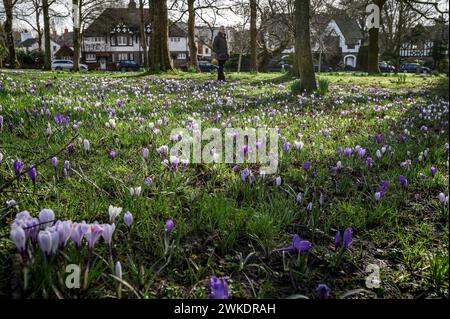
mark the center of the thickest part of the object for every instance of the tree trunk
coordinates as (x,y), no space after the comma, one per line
(143,34)
(303,44)
(253,35)
(239,62)
(76,7)
(193,62)
(47,47)
(38,28)
(374,49)
(8,5)
(159,48)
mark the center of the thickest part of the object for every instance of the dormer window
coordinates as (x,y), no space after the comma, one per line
(122,40)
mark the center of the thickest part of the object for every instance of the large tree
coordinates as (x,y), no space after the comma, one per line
(8,28)
(143,33)
(303,46)
(76,12)
(47,46)
(374,39)
(253,36)
(159,46)
(193,61)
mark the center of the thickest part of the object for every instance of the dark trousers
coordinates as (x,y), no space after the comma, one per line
(220,74)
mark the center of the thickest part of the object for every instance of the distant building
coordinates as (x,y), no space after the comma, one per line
(65,39)
(28,43)
(115,36)
(335,38)
(64,53)
(419,41)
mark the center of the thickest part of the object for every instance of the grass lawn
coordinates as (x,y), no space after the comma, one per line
(229,221)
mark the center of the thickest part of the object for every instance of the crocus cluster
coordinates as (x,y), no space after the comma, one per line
(51,235)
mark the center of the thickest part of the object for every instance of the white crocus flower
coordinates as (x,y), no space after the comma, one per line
(113,213)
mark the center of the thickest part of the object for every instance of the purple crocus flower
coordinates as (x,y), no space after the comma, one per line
(323,291)
(169,225)
(307,166)
(433,171)
(46,217)
(244,174)
(70,148)
(348,237)
(18,166)
(92,235)
(361,152)
(76,235)
(112,154)
(45,242)
(286,147)
(219,288)
(348,152)
(55,163)
(378,138)
(383,187)
(32,173)
(369,162)
(403,181)
(337,239)
(64,229)
(128,219)
(298,245)
(19,238)
(108,232)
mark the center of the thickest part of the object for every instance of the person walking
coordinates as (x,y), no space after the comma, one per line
(220,47)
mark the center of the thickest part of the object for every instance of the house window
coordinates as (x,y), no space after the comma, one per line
(175,39)
(122,56)
(91,57)
(206,51)
(181,56)
(121,40)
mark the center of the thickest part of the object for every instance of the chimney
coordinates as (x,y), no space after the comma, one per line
(66,34)
(132,4)
(54,33)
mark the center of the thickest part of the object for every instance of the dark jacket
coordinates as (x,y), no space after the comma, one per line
(220,47)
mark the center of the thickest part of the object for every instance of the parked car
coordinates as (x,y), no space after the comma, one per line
(206,66)
(278,66)
(386,67)
(66,65)
(414,68)
(127,65)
